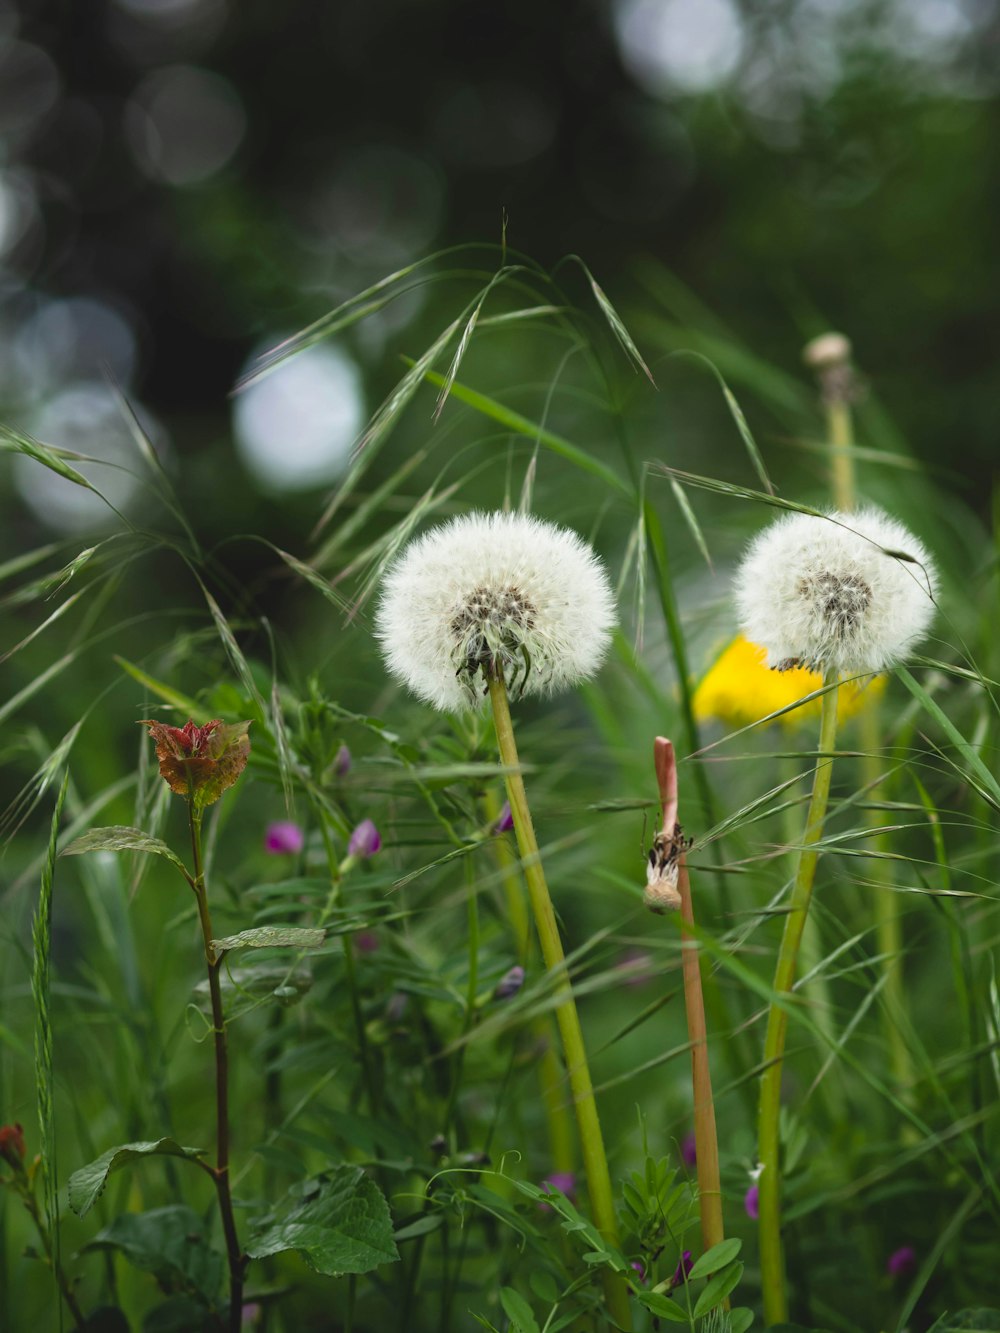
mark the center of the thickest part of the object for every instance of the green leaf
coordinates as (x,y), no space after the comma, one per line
(716,1258)
(740,1320)
(119,838)
(170,1242)
(341,1225)
(518,1311)
(979,1320)
(663,1306)
(989,788)
(180,1314)
(86,1185)
(184,705)
(718,1288)
(272,937)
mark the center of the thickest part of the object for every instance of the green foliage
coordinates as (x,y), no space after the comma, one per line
(86,1185)
(172,1244)
(338,1223)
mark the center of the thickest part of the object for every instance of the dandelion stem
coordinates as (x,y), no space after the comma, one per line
(595,1161)
(771,1259)
(220,1172)
(550,1075)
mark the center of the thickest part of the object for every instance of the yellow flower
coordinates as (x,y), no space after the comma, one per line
(740,689)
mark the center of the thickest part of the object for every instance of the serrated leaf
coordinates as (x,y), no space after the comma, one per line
(170,1242)
(518,1311)
(86,1185)
(120,838)
(342,1226)
(716,1258)
(718,1288)
(272,937)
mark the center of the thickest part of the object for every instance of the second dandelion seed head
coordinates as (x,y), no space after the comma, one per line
(496,594)
(849,593)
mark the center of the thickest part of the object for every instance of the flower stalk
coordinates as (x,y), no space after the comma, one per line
(768,1148)
(705,1133)
(595,1161)
(220,1172)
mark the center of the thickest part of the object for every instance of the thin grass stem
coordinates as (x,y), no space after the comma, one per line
(595,1162)
(772,1267)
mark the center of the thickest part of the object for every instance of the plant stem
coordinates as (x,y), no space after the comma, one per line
(706,1137)
(31,1203)
(769,1180)
(550,1074)
(220,1173)
(595,1161)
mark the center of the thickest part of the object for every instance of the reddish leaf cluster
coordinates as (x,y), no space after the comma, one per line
(201,762)
(12,1146)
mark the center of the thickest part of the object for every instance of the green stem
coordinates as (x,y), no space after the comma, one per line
(840,429)
(65,1287)
(350,970)
(769,1180)
(220,1172)
(550,1074)
(595,1161)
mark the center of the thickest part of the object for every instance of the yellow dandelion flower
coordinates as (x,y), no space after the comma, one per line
(740,689)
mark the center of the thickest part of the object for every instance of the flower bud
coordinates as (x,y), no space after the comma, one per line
(12,1146)
(504,820)
(284,837)
(510,983)
(342,762)
(365,840)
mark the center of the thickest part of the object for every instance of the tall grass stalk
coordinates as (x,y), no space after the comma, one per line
(768,1146)
(838,390)
(595,1162)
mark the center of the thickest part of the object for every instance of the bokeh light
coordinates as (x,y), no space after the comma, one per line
(295,427)
(184,124)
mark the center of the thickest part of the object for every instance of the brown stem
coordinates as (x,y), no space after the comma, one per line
(220,1173)
(706,1137)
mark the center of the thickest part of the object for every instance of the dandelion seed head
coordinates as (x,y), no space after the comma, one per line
(847,592)
(494,592)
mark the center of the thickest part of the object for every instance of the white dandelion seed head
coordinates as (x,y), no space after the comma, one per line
(832,593)
(503,592)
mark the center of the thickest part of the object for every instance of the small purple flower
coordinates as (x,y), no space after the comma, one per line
(284,837)
(901,1261)
(636,967)
(640,1269)
(504,821)
(366,941)
(342,762)
(684,1266)
(565,1182)
(365,840)
(510,983)
(751,1201)
(689,1150)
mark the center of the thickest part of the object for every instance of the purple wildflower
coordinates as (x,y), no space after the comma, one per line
(565,1182)
(366,941)
(284,837)
(751,1201)
(365,840)
(684,1266)
(689,1150)
(342,762)
(640,1269)
(504,821)
(510,983)
(901,1261)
